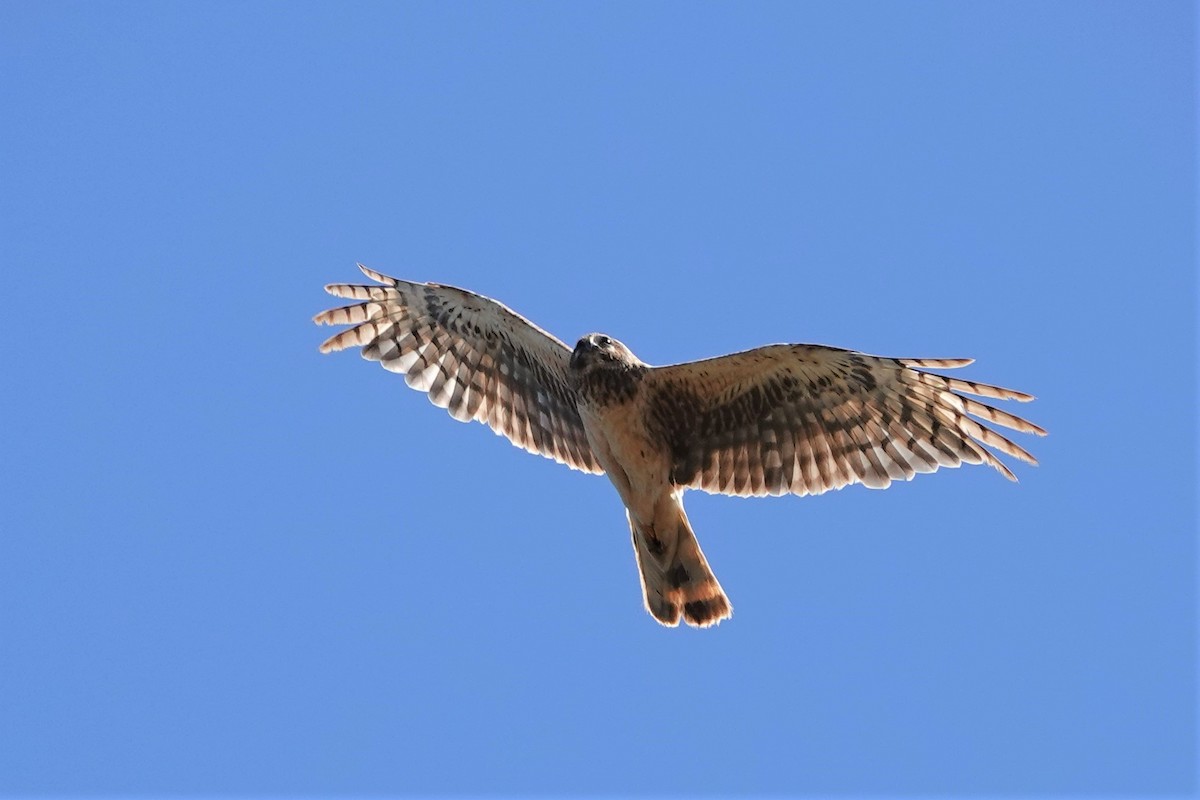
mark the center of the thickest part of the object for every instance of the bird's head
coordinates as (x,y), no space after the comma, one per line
(598,350)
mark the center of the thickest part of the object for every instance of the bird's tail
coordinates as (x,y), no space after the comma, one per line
(676,578)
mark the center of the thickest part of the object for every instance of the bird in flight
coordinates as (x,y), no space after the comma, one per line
(781,419)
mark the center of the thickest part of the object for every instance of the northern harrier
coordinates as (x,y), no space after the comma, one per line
(785,418)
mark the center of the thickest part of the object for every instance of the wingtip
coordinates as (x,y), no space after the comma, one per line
(937,363)
(334,343)
(379,277)
(325,317)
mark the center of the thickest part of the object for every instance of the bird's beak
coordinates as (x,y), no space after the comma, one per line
(581,348)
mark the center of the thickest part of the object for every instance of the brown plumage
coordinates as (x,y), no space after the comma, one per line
(785,418)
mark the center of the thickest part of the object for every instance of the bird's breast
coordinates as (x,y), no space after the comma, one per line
(634,459)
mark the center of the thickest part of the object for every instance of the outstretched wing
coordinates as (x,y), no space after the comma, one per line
(473,356)
(803,419)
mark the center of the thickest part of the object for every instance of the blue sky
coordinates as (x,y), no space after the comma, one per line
(233,566)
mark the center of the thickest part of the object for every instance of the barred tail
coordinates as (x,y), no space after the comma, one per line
(676,579)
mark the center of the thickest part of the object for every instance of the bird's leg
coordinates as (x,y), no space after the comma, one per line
(663,551)
(660,546)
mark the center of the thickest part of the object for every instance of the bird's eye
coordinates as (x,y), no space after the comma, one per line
(604,341)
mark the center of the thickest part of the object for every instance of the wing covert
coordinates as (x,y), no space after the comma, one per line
(472,355)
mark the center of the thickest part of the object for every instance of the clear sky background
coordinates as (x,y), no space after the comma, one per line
(232,565)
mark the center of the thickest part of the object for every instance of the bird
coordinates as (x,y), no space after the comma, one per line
(798,419)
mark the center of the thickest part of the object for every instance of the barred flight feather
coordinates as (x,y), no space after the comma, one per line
(472,356)
(804,419)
